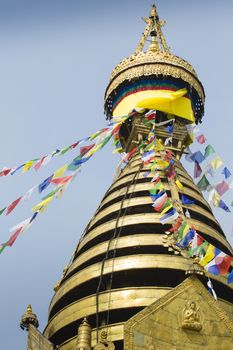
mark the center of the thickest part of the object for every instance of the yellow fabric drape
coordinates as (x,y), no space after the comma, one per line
(170,102)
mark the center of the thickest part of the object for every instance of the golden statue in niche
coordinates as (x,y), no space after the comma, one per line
(104,344)
(191,317)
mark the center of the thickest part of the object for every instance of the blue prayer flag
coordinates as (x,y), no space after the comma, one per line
(223,206)
(226,172)
(45,184)
(187,238)
(186,200)
(197,157)
(230,278)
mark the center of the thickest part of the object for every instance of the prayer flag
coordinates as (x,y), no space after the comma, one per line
(14,170)
(27,166)
(154,197)
(183,230)
(201,139)
(167,206)
(197,170)
(185,200)
(6,171)
(61,180)
(216,162)
(39,163)
(221,187)
(29,193)
(223,206)
(203,184)
(74,145)
(184,242)
(169,217)
(230,278)
(160,202)
(208,151)
(60,171)
(46,160)
(157,187)
(199,250)
(176,225)
(40,207)
(223,262)
(85,149)
(211,289)
(13,205)
(188,155)
(2,211)
(179,184)
(226,172)
(197,157)
(209,255)
(44,184)
(187,214)
(13,238)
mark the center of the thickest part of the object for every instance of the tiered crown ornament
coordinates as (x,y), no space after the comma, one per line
(140,75)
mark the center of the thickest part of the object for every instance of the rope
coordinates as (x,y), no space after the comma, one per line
(108,247)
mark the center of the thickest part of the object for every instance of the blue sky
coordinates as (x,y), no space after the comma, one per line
(55,61)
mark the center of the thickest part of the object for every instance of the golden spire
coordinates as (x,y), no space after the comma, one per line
(153,28)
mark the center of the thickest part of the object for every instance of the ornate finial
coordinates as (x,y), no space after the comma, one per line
(84,336)
(195,268)
(29,318)
(153,27)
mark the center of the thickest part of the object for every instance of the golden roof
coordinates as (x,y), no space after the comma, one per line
(157,60)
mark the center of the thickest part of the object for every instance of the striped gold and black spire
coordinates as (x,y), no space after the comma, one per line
(123,262)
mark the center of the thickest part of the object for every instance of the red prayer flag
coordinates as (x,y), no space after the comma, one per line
(13,205)
(61,180)
(197,170)
(5,172)
(222,187)
(223,264)
(39,163)
(13,238)
(75,144)
(201,139)
(85,149)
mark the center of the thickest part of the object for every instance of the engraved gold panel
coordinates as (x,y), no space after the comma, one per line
(159,326)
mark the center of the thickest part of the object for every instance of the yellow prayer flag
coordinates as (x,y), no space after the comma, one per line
(27,166)
(216,162)
(179,184)
(93,150)
(159,146)
(216,199)
(166,209)
(60,171)
(208,256)
(162,164)
(42,205)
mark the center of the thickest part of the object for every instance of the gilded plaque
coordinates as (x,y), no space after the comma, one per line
(186,318)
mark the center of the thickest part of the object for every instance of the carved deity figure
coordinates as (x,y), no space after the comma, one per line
(191,317)
(103,343)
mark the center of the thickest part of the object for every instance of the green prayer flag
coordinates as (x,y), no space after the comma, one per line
(2,247)
(182,229)
(50,194)
(65,149)
(142,145)
(199,250)
(203,184)
(103,143)
(156,188)
(2,210)
(208,151)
